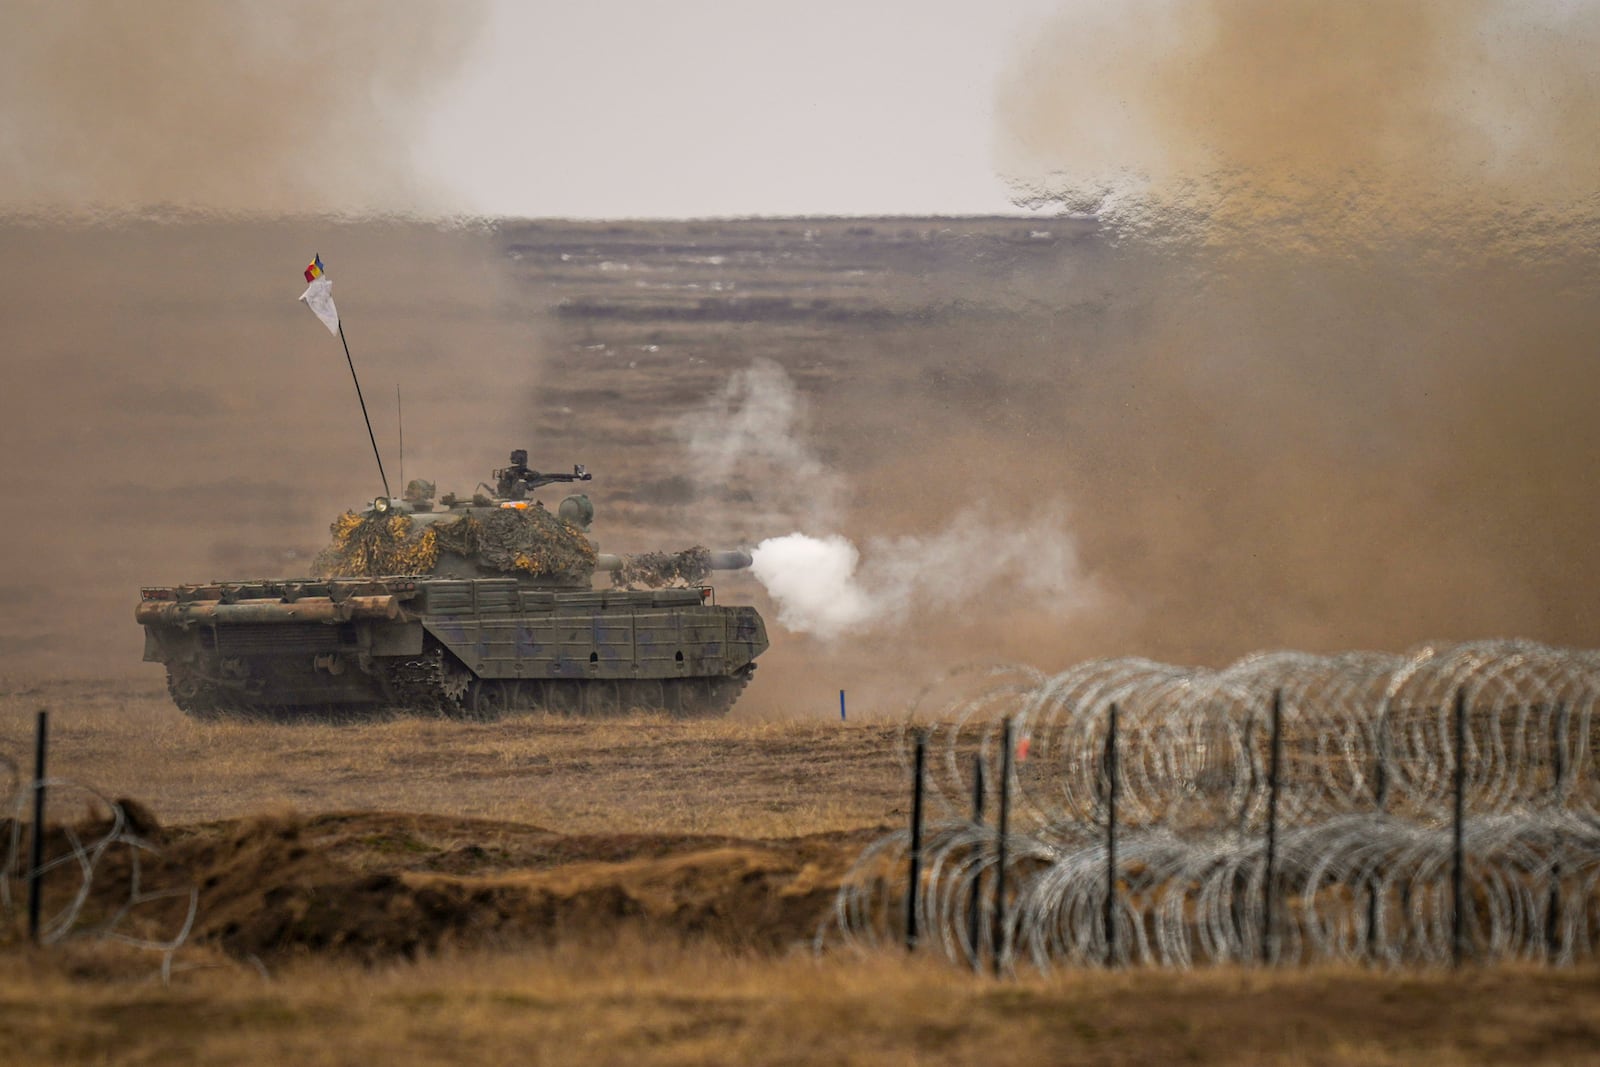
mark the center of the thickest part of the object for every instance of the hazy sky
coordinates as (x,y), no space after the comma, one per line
(730,107)
(611,108)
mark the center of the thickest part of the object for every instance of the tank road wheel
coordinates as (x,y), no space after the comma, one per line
(688,697)
(672,696)
(487,699)
(644,695)
(562,697)
(602,699)
(195,696)
(708,698)
(455,684)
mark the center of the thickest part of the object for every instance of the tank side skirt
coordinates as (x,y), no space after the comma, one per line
(655,645)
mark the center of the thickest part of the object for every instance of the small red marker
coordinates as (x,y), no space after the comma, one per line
(1022,748)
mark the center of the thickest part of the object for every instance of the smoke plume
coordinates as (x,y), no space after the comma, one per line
(754,438)
(825,587)
(750,444)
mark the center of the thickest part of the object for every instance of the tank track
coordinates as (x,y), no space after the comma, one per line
(682,698)
(201,697)
(196,696)
(431,684)
(435,684)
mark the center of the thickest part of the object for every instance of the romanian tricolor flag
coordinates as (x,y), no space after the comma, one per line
(319,296)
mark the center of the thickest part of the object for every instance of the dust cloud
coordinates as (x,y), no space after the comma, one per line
(1316,129)
(1341,384)
(194,106)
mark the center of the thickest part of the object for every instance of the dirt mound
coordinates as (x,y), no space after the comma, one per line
(375,886)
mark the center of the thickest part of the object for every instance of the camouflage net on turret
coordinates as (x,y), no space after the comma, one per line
(510,540)
(530,540)
(365,546)
(656,569)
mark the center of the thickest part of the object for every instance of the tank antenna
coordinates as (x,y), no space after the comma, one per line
(319,298)
(400,417)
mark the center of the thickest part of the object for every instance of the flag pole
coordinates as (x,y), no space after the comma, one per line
(364,416)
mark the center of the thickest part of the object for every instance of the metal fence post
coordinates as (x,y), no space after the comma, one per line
(1001,941)
(1552,921)
(1111,837)
(1380,796)
(1458,926)
(1268,953)
(916,843)
(36,869)
(975,901)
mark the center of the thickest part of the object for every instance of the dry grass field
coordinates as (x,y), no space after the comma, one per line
(646,1003)
(737,777)
(629,891)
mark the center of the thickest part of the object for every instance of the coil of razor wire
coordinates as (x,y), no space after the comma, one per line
(1363,861)
(73,860)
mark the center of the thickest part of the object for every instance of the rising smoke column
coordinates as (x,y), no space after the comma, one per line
(751,442)
(755,435)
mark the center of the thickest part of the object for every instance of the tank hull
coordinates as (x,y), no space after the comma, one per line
(468,647)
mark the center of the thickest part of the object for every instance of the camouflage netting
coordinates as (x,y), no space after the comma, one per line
(366,546)
(509,540)
(530,540)
(655,569)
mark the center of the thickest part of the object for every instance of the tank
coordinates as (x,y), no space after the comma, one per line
(460,607)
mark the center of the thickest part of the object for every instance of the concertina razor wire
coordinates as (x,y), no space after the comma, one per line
(1364,849)
(78,904)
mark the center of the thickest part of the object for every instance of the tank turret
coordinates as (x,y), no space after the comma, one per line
(501,532)
(462,607)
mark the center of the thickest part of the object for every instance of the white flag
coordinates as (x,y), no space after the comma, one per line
(319,298)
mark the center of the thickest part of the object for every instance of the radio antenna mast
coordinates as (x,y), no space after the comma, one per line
(400,416)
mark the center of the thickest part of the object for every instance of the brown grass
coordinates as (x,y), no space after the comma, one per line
(647,1003)
(738,777)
